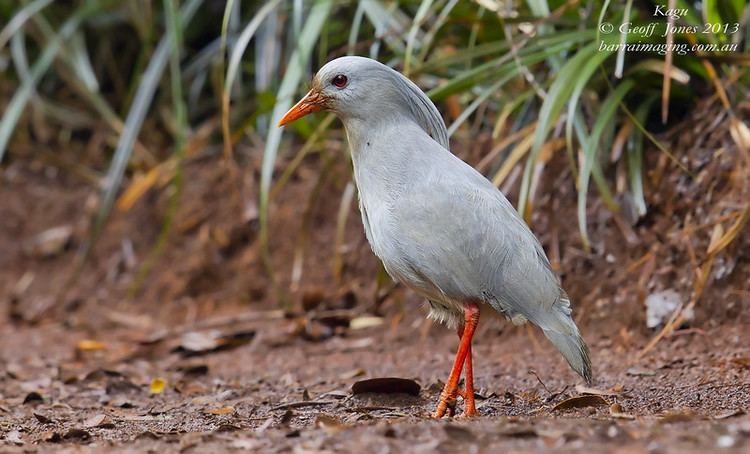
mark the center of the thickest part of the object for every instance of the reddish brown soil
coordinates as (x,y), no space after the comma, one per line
(283,383)
(280,392)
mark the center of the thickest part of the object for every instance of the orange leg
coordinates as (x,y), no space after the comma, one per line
(470,408)
(450,391)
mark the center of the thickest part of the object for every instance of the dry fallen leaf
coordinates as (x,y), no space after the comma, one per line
(329,423)
(195,342)
(593,391)
(729,414)
(353,344)
(201,342)
(42,418)
(615,411)
(14,437)
(76,434)
(220,411)
(351,374)
(157,386)
(33,397)
(89,345)
(678,416)
(336,393)
(51,437)
(193,370)
(50,243)
(387,385)
(741,135)
(100,420)
(366,321)
(227,428)
(638,371)
(266,424)
(588,400)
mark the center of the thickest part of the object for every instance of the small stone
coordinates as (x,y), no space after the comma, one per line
(725,441)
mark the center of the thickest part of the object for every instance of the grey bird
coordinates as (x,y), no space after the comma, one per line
(438,225)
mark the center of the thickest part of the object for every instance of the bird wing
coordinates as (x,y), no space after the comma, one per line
(460,238)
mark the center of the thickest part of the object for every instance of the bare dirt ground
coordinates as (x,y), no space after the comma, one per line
(197,356)
(281,393)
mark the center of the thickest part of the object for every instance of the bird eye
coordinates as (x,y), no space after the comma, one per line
(339,81)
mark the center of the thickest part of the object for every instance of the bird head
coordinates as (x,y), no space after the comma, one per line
(362,88)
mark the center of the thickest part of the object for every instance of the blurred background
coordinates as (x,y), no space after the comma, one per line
(141,171)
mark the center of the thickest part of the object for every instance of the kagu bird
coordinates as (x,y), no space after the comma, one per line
(437,224)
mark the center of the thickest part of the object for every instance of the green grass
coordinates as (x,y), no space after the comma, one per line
(125,62)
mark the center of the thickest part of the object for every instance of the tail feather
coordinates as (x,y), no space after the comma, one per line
(575,351)
(562,331)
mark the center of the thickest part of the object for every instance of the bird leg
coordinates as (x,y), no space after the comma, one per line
(450,391)
(470,408)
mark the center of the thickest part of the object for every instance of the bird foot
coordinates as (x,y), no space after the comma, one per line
(448,404)
(470,409)
(467,415)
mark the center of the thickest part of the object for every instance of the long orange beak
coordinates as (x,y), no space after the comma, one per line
(312,102)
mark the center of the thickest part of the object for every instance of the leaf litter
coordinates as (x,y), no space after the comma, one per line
(246,349)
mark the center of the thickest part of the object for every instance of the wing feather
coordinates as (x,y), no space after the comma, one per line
(462,238)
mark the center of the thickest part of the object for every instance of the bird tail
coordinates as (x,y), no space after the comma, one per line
(564,335)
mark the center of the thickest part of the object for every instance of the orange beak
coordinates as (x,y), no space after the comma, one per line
(312,102)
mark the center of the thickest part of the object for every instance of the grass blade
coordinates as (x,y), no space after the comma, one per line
(294,164)
(482,97)
(242,42)
(581,80)
(419,17)
(292,77)
(354,31)
(307,215)
(174,35)
(529,55)
(667,80)
(635,156)
(341,218)
(133,123)
(515,155)
(81,63)
(20,18)
(557,96)
(604,117)
(464,56)
(21,96)
(620,62)
(390,25)
(238,50)
(430,35)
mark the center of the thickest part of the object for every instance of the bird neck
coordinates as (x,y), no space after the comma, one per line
(360,133)
(374,134)
(384,155)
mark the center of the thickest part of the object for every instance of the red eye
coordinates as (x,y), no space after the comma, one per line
(339,80)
